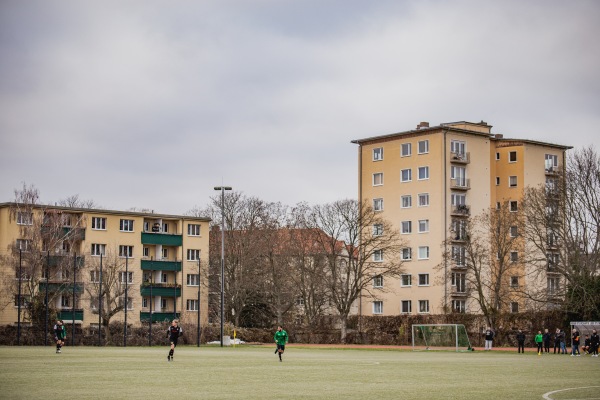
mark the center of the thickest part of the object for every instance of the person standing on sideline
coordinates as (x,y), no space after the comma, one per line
(489,338)
(520,342)
(173,334)
(60,334)
(557,341)
(595,343)
(547,339)
(563,341)
(575,343)
(539,340)
(281,338)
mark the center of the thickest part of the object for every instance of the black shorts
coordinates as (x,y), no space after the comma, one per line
(174,340)
(281,347)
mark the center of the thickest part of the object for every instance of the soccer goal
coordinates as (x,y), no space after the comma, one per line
(440,337)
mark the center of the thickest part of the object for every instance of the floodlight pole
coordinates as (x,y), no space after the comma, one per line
(222,189)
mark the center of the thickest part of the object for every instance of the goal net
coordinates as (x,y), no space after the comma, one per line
(440,337)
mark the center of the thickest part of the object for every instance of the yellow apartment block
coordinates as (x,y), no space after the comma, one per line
(152,265)
(426,179)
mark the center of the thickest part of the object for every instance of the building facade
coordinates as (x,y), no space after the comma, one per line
(152,265)
(425,181)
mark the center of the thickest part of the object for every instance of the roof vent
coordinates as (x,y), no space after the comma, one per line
(423,125)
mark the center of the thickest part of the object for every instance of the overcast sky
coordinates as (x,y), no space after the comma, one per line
(150,104)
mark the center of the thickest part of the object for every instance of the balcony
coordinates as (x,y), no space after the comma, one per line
(161,289)
(158,316)
(165,239)
(65,259)
(460,158)
(551,170)
(460,184)
(462,292)
(61,286)
(461,210)
(459,237)
(69,313)
(77,234)
(161,265)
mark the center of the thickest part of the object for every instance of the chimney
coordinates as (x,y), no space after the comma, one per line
(499,136)
(423,125)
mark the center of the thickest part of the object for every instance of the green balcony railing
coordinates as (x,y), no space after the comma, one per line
(161,289)
(164,239)
(67,314)
(161,265)
(158,316)
(54,287)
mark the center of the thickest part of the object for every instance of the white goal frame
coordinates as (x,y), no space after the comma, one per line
(457,345)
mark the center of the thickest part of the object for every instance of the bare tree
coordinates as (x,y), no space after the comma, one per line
(360,246)
(485,252)
(74,201)
(563,219)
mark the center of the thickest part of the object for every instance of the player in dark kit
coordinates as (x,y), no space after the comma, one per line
(60,334)
(173,334)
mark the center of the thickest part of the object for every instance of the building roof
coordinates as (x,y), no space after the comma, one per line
(111,212)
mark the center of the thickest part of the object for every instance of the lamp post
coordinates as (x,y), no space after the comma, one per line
(222,189)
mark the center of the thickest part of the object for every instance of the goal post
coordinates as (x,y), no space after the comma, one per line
(451,337)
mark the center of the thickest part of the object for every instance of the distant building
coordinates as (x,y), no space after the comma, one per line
(427,179)
(156,256)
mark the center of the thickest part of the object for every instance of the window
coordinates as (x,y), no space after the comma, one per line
(378,281)
(423,146)
(497,156)
(24,218)
(24,300)
(512,156)
(193,279)
(163,303)
(193,254)
(423,252)
(95,276)
(514,307)
(406,254)
(406,149)
(497,180)
(423,279)
(165,253)
(423,173)
(378,154)
(378,179)
(498,205)
(514,256)
(378,204)
(378,307)
(99,223)
(126,225)
(65,301)
(514,231)
(405,280)
(423,199)
(514,206)
(459,255)
(378,255)
(406,175)
(129,302)
(458,148)
(551,162)
(459,306)
(406,227)
(125,251)
(553,285)
(512,181)
(165,227)
(98,249)
(423,306)
(458,199)
(23,244)
(459,281)
(377,230)
(126,277)
(514,281)
(406,201)
(193,229)
(406,307)
(146,252)
(459,175)
(423,225)
(191,305)
(553,260)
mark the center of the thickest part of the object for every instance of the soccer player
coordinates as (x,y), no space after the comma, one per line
(587,343)
(595,342)
(60,334)
(520,342)
(489,338)
(539,340)
(281,338)
(173,334)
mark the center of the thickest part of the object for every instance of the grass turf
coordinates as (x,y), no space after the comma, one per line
(254,372)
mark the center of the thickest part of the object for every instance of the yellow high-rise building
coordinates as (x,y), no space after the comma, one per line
(57,251)
(428,178)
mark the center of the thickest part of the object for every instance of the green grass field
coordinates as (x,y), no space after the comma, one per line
(254,372)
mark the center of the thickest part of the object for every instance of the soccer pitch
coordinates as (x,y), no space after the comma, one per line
(254,372)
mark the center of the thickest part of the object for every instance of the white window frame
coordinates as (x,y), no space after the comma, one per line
(129,302)
(378,281)
(512,181)
(24,218)
(408,278)
(514,307)
(510,154)
(514,231)
(405,149)
(425,144)
(459,306)
(378,179)
(423,306)
(377,307)
(423,199)
(423,225)
(23,244)
(377,229)
(408,303)
(99,223)
(406,201)
(193,280)
(426,279)
(378,154)
(423,173)
(194,230)
(423,249)
(514,206)
(514,281)
(408,178)
(192,305)
(125,251)
(404,252)
(97,249)
(378,255)
(95,276)
(126,275)
(126,225)
(193,254)
(378,204)
(458,147)
(497,181)
(406,227)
